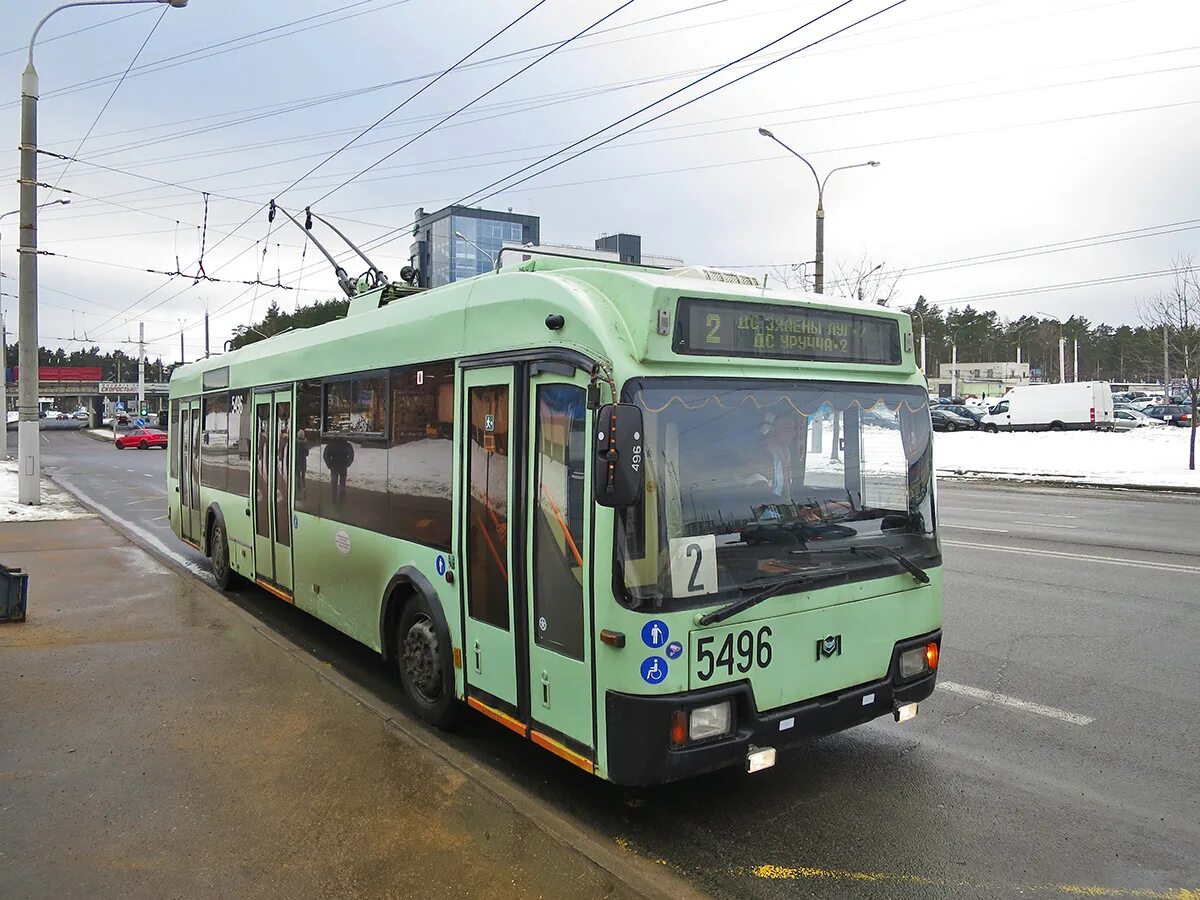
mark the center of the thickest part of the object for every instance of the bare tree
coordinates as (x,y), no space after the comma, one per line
(792,277)
(866,280)
(1176,312)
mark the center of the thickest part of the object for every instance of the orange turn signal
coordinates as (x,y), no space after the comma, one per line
(678,728)
(931,656)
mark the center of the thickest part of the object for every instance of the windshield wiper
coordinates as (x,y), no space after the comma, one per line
(907,564)
(737,606)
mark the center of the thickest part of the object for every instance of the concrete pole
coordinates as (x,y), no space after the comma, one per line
(29,462)
(1062,358)
(206,334)
(923,349)
(141,367)
(4,385)
(1018,354)
(1166,367)
(819,266)
(954,367)
(1075,369)
(181,359)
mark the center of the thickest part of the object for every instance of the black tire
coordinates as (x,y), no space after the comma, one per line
(218,545)
(143,446)
(1057,426)
(119,446)
(991,429)
(423,659)
(950,426)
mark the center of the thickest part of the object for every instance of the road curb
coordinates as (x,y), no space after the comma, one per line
(1047,479)
(90,433)
(654,881)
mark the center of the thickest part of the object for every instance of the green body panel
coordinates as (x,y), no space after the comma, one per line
(612,316)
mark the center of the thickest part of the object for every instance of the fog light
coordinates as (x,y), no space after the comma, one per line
(913,662)
(760,758)
(710,721)
(906,712)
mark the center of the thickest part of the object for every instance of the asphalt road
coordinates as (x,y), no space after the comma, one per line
(1058,757)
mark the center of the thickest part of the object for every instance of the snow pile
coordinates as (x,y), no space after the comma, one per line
(56,504)
(1155,457)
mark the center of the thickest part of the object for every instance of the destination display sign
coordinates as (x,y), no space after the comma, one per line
(774,331)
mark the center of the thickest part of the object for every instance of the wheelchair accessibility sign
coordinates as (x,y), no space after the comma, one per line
(654,670)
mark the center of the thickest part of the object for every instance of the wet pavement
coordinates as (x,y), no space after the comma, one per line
(156,742)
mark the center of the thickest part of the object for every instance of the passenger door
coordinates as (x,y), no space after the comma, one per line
(558,565)
(190,527)
(487,473)
(271,504)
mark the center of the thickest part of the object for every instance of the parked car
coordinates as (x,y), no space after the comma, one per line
(1172,414)
(971,412)
(1129,419)
(80,414)
(1069,406)
(143,439)
(944,420)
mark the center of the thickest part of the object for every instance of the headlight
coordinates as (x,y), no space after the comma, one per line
(710,721)
(919,660)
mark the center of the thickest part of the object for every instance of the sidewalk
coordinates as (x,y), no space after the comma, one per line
(154,743)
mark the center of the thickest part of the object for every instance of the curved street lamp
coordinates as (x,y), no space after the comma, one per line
(29,469)
(819,268)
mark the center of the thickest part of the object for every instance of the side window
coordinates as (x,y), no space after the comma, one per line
(213,467)
(558,518)
(238,450)
(310,473)
(420,453)
(354,452)
(173,439)
(487,504)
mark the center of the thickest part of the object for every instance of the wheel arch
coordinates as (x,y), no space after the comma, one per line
(211,516)
(407,581)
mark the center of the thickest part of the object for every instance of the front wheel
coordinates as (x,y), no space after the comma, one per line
(223,573)
(991,429)
(950,426)
(1057,426)
(425,665)
(143,446)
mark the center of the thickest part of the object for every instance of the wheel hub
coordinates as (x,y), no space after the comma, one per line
(420,659)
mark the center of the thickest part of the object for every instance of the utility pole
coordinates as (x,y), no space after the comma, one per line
(29,461)
(1166,367)
(181,359)
(206,334)
(1075,369)
(954,367)
(1062,357)
(4,384)
(141,368)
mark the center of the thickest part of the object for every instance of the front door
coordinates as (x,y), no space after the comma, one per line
(488,472)
(189,470)
(558,566)
(272,495)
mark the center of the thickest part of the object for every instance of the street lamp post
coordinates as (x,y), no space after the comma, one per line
(463,237)
(4,333)
(29,465)
(1062,354)
(819,267)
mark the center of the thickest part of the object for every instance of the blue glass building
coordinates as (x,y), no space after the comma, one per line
(441,256)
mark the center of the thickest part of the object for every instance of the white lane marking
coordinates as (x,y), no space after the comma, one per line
(1051,712)
(151,475)
(1003,512)
(1045,525)
(1055,554)
(158,518)
(1048,515)
(974,527)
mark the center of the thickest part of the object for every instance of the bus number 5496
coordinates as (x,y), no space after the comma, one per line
(742,651)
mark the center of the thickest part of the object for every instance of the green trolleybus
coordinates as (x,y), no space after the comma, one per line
(657,522)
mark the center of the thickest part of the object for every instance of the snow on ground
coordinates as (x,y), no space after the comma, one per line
(56,504)
(1146,456)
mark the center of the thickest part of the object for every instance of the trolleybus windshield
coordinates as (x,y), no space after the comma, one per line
(749,482)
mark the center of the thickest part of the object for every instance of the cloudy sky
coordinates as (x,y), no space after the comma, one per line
(1025,144)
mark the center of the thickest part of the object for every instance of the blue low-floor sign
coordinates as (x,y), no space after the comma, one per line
(440,564)
(655,633)
(654,669)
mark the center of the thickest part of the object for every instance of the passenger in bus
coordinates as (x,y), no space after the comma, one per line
(338,456)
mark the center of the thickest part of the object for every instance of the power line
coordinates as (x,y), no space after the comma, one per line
(1050,288)
(504,81)
(66,34)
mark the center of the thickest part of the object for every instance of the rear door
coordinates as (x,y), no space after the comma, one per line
(189,471)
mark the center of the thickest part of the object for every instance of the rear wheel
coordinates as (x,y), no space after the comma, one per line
(223,573)
(425,665)
(950,426)
(1056,426)
(143,446)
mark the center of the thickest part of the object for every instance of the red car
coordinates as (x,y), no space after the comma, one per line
(143,439)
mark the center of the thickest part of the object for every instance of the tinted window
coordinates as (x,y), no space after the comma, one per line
(354,452)
(262,468)
(214,442)
(174,464)
(558,518)
(310,474)
(487,506)
(420,453)
(238,459)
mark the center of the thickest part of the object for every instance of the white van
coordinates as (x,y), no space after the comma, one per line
(1073,406)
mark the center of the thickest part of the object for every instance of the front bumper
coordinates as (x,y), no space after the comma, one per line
(639,750)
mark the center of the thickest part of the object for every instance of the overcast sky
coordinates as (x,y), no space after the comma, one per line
(1001,125)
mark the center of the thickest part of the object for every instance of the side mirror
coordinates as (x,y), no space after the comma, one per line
(617,472)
